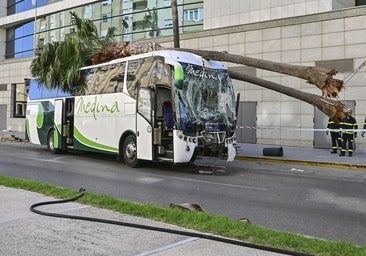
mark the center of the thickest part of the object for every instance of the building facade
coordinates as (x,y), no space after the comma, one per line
(326,33)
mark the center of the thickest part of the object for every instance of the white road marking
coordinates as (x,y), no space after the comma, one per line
(148,180)
(54,160)
(217,183)
(169,246)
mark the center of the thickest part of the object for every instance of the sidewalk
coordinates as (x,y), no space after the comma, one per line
(305,156)
(27,233)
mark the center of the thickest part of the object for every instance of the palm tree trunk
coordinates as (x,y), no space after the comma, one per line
(123,49)
(320,77)
(332,108)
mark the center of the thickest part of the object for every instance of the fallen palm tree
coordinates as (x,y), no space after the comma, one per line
(117,50)
(332,108)
(320,77)
(58,64)
(315,75)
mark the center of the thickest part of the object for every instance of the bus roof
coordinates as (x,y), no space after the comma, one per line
(176,56)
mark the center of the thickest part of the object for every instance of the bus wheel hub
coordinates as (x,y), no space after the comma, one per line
(130,150)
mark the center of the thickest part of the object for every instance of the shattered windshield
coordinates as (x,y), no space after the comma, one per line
(205,95)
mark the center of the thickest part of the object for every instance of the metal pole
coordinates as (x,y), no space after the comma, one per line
(34,3)
(175,24)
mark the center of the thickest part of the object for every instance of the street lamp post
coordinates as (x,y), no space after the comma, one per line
(34,4)
(175,24)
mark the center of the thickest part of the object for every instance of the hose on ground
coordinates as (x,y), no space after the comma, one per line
(153,228)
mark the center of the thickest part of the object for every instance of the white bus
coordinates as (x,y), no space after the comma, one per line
(161,106)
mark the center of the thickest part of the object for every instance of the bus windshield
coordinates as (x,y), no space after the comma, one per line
(206,96)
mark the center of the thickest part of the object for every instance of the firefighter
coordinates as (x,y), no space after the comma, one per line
(333,127)
(347,125)
(364,128)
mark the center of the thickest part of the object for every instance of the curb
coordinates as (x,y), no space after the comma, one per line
(302,162)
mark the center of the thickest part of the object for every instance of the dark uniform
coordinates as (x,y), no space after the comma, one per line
(348,124)
(364,127)
(333,128)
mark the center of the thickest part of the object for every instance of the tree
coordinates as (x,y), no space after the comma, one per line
(58,64)
(332,108)
(320,77)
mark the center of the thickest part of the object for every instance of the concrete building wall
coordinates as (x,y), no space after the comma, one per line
(232,12)
(11,72)
(2,9)
(243,12)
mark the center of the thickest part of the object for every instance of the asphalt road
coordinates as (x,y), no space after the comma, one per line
(320,202)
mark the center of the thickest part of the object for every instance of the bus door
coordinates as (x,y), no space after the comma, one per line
(164,124)
(58,124)
(63,122)
(68,127)
(144,127)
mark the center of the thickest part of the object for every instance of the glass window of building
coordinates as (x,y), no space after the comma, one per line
(193,14)
(20,100)
(20,40)
(17,6)
(360,2)
(107,17)
(168,23)
(88,12)
(133,19)
(106,2)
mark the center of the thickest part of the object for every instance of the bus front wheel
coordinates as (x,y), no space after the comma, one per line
(129,151)
(50,143)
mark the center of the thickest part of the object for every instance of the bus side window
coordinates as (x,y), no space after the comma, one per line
(69,108)
(144,103)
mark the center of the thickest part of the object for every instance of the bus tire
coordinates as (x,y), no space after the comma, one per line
(50,144)
(194,156)
(129,153)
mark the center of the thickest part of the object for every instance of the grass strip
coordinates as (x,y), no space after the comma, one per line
(200,221)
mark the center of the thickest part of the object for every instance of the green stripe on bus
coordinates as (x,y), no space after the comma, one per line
(55,139)
(28,129)
(87,142)
(58,136)
(58,127)
(40,116)
(178,76)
